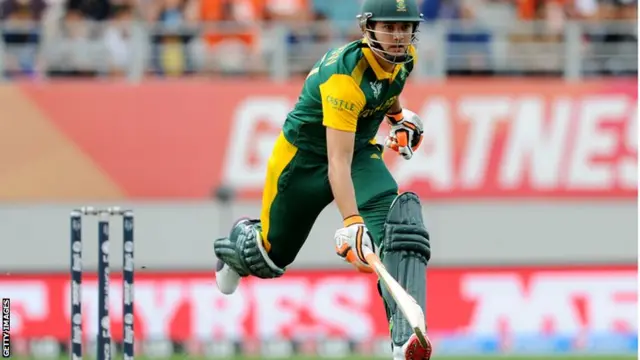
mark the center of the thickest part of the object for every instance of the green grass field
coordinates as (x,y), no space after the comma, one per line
(446,358)
(435,357)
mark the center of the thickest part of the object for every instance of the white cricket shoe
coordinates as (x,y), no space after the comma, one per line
(226,278)
(413,350)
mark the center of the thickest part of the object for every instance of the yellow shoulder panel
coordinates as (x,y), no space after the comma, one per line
(342,102)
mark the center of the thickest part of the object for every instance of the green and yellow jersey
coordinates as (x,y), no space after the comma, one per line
(346,90)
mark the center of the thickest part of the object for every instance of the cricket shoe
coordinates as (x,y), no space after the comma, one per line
(413,350)
(226,278)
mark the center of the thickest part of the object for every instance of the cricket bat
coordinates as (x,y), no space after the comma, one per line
(407,304)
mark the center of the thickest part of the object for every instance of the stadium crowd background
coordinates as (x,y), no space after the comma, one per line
(237,36)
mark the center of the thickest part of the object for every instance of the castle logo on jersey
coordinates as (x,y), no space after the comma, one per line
(340,104)
(376,87)
(401,6)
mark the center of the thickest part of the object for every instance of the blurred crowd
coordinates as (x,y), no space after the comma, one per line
(90,37)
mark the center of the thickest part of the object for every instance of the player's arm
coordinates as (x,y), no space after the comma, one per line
(342,102)
(406,127)
(340,151)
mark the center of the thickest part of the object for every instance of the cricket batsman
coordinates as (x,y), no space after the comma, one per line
(327,151)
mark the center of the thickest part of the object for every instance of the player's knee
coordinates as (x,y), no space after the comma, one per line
(381,200)
(388,197)
(405,229)
(281,257)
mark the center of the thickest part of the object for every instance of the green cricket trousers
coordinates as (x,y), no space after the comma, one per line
(297,189)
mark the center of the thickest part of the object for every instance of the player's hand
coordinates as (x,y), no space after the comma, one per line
(406,133)
(351,241)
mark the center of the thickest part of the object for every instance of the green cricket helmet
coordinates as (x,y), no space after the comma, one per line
(389,11)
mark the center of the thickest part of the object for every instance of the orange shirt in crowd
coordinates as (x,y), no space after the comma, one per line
(527,8)
(247,10)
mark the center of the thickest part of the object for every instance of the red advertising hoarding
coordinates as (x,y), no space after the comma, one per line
(178,140)
(345,304)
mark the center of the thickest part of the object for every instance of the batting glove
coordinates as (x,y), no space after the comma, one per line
(351,241)
(406,133)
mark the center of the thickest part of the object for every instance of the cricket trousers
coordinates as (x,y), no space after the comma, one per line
(297,189)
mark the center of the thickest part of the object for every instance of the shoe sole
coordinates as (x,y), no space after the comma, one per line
(415,351)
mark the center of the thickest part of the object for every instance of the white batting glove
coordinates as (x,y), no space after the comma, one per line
(351,242)
(406,132)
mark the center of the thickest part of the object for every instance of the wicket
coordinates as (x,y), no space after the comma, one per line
(104,332)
